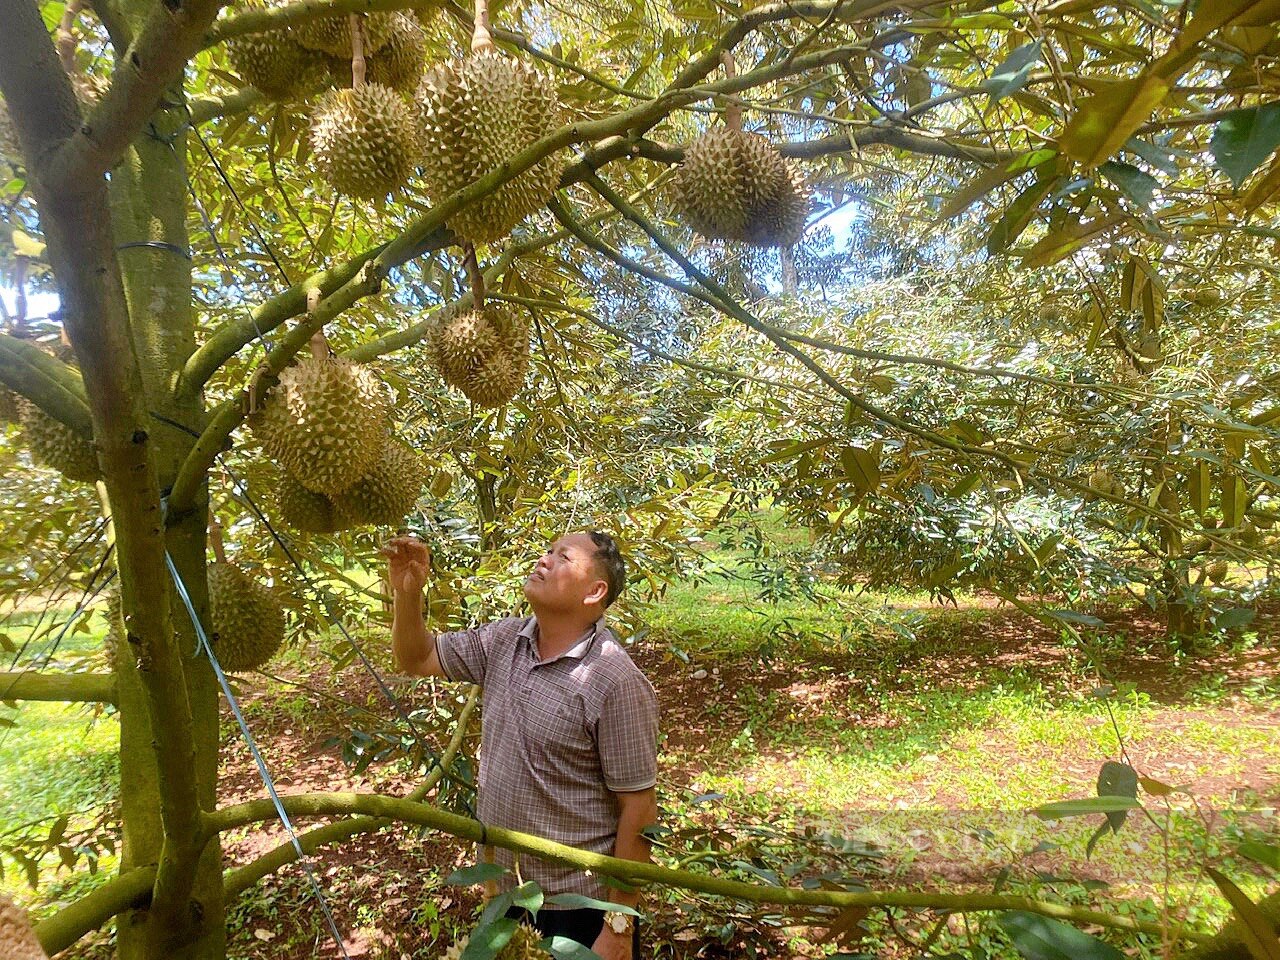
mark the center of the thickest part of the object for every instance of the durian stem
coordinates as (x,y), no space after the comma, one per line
(481,39)
(733,108)
(215,539)
(319,346)
(475,275)
(357,52)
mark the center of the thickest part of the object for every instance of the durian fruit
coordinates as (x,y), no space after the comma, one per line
(332,35)
(248,621)
(398,65)
(497,378)
(385,495)
(735,185)
(1216,572)
(485,353)
(17,938)
(1102,481)
(476,115)
(277,66)
(56,445)
(304,510)
(365,141)
(325,422)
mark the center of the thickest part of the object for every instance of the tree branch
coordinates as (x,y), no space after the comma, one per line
(643,874)
(58,687)
(241,878)
(153,63)
(46,381)
(91,911)
(203,109)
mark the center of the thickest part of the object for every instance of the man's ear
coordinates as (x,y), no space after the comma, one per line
(599,590)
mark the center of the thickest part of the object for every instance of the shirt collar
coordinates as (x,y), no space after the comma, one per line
(579,650)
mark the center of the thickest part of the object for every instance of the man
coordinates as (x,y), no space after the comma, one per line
(570,724)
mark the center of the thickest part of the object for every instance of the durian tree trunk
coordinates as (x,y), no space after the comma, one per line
(111,191)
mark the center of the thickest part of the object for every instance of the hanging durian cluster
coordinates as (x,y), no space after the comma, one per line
(735,185)
(247,619)
(476,115)
(525,944)
(364,140)
(327,425)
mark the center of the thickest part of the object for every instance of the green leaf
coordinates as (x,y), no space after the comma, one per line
(1263,853)
(576,901)
(1019,213)
(1255,929)
(476,873)
(528,895)
(1234,617)
(562,948)
(1137,186)
(1071,616)
(1103,122)
(1117,780)
(861,467)
(1244,139)
(1014,73)
(1039,938)
(1062,809)
(485,942)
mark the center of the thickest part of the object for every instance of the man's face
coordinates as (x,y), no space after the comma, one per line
(567,578)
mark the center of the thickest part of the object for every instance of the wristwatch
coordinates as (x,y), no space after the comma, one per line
(619,922)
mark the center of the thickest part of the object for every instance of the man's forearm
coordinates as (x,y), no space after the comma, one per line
(411,641)
(631,843)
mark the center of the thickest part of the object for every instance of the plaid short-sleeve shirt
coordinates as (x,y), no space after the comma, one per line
(558,738)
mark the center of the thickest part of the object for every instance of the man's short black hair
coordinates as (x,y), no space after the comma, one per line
(611,563)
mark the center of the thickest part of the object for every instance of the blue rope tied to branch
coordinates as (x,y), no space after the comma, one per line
(202,640)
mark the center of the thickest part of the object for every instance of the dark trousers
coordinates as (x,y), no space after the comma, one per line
(581,925)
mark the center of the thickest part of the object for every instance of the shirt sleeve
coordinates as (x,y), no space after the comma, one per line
(627,735)
(464,654)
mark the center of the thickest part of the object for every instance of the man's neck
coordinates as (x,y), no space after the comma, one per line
(557,635)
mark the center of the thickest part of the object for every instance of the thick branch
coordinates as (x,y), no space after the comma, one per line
(153,63)
(46,381)
(240,879)
(642,874)
(72,922)
(58,687)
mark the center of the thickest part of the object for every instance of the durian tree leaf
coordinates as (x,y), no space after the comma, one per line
(1117,780)
(1266,854)
(1019,213)
(528,896)
(1103,122)
(1041,938)
(576,901)
(476,873)
(485,941)
(1255,929)
(1061,809)
(562,948)
(27,246)
(861,467)
(1014,73)
(1138,186)
(1244,139)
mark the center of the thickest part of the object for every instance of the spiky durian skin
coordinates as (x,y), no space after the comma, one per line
(476,115)
(332,35)
(247,620)
(56,445)
(484,353)
(365,141)
(17,937)
(305,510)
(388,493)
(325,422)
(275,65)
(735,185)
(458,342)
(398,65)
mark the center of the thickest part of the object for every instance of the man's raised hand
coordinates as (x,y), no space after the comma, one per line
(408,564)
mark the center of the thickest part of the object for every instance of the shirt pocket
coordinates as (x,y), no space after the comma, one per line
(555,721)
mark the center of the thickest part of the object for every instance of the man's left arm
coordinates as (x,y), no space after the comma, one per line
(636,811)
